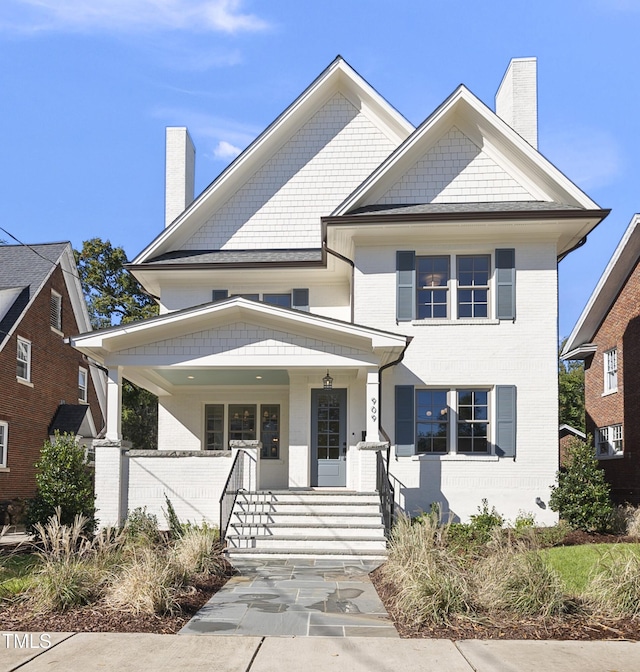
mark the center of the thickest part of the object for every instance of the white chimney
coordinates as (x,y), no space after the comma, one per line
(517,99)
(180,164)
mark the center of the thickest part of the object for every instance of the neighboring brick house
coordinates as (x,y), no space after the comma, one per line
(41,304)
(351,292)
(607,338)
(566,436)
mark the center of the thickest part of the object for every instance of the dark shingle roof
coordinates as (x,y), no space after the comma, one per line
(437,208)
(26,267)
(68,418)
(237,257)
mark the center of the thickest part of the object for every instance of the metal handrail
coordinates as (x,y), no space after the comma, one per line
(386,492)
(232,487)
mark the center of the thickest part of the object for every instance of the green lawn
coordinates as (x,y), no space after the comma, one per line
(576,563)
(16,573)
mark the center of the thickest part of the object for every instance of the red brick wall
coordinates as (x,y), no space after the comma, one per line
(620,329)
(54,374)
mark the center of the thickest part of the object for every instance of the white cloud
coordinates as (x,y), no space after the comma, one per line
(225,150)
(587,156)
(125,15)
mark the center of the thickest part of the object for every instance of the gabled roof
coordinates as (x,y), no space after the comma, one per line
(23,271)
(611,282)
(339,76)
(464,110)
(73,419)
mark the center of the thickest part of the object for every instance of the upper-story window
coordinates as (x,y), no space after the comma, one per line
(82,385)
(297,298)
(611,370)
(4,440)
(455,286)
(23,359)
(55,315)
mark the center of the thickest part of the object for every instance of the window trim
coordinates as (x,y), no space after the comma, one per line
(610,370)
(4,444)
(607,439)
(55,311)
(26,362)
(83,398)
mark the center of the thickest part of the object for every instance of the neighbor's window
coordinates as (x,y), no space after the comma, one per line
(473,421)
(55,316)
(432,287)
(23,369)
(473,286)
(270,431)
(214,426)
(610,441)
(611,370)
(4,436)
(82,384)
(242,422)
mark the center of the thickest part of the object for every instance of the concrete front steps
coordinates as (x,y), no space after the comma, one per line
(335,524)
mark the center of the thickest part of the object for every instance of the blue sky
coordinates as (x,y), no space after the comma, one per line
(87,88)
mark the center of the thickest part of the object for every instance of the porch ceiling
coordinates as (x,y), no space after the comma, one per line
(199,377)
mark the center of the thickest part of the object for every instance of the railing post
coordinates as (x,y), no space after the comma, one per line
(386,492)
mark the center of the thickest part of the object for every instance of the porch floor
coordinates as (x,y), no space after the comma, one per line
(296,597)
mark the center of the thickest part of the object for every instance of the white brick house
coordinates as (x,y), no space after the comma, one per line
(416,267)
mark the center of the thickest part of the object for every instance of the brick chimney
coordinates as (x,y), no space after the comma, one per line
(517,98)
(180,164)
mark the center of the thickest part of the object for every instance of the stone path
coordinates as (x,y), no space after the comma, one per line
(296,597)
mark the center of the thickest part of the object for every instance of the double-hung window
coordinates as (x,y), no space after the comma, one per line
(455,286)
(23,359)
(611,370)
(4,441)
(82,385)
(55,315)
(610,441)
(456,421)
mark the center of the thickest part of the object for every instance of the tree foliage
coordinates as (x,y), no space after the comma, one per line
(114,296)
(63,480)
(582,496)
(571,393)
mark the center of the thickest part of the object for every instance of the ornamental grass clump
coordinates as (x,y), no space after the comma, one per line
(615,586)
(198,551)
(431,585)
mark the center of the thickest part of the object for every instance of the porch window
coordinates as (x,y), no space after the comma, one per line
(214,426)
(270,431)
(242,422)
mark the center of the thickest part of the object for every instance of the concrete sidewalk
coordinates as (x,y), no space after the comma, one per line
(89,652)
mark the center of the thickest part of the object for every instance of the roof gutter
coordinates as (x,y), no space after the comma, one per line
(326,248)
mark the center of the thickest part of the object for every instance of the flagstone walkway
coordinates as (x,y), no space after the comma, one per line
(322,598)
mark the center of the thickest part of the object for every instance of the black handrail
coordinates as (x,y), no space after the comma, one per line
(386,492)
(234,484)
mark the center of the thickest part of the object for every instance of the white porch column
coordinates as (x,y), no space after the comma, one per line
(299,431)
(372,404)
(114,403)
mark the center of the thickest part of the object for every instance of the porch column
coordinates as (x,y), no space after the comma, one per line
(372,404)
(114,403)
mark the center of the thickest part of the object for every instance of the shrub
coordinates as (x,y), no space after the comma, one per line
(582,496)
(176,528)
(63,481)
(141,527)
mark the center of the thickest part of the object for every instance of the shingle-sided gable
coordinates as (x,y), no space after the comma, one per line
(455,170)
(281,204)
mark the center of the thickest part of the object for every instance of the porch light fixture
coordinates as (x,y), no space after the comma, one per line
(190,377)
(327,382)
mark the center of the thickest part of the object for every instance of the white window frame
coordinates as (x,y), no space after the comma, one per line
(25,361)
(83,389)
(610,442)
(4,443)
(610,364)
(55,311)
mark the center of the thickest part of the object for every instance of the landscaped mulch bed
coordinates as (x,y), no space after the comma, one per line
(99,618)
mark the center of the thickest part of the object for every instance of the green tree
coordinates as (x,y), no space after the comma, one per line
(571,393)
(582,496)
(113,297)
(62,480)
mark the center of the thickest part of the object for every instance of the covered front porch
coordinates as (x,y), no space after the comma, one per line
(298,393)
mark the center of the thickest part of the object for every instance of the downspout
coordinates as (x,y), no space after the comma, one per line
(353,272)
(380,370)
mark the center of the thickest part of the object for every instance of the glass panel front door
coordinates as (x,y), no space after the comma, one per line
(328,438)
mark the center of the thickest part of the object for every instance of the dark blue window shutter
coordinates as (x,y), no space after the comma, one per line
(506,284)
(219,294)
(506,421)
(406,286)
(405,425)
(300,299)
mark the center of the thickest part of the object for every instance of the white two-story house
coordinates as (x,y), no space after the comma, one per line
(351,285)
